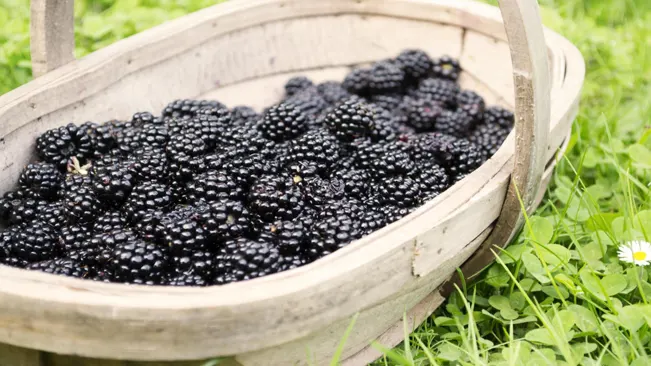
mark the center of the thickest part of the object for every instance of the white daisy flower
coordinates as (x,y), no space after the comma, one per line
(636,252)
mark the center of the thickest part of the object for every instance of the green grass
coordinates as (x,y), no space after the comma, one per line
(558,294)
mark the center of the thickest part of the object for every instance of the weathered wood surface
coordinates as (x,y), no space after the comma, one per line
(230,51)
(52,34)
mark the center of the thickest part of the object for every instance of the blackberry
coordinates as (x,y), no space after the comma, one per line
(148,164)
(446,68)
(227,220)
(145,197)
(112,185)
(471,103)
(247,140)
(11,200)
(153,224)
(187,144)
(330,234)
(395,213)
(137,261)
(458,156)
(317,147)
(489,137)
(283,122)
(104,137)
(244,116)
(26,210)
(209,128)
(355,181)
(53,215)
(197,267)
(320,191)
(386,129)
(81,205)
(73,237)
(274,197)
(6,242)
(58,145)
(184,237)
(352,119)
(310,102)
(432,178)
(422,114)
(416,64)
(332,91)
(388,102)
(297,84)
(456,123)
(350,208)
(246,169)
(35,242)
(189,108)
(143,119)
(185,279)
(301,171)
(244,259)
(394,159)
(499,116)
(290,236)
(292,261)
(399,191)
(385,77)
(440,90)
(154,135)
(357,81)
(214,186)
(62,266)
(43,179)
(109,221)
(372,220)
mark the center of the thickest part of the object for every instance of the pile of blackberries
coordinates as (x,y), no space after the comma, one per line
(206,195)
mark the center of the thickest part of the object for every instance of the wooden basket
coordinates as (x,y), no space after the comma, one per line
(242,52)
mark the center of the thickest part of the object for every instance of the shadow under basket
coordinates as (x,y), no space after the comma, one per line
(242,52)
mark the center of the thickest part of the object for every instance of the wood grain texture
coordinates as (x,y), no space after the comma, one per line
(381,275)
(52,34)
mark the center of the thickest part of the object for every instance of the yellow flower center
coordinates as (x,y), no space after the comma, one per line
(639,256)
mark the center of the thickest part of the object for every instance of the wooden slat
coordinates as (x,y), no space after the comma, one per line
(52,34)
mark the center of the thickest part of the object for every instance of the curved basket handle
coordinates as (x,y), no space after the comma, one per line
(532,116)
(52,34)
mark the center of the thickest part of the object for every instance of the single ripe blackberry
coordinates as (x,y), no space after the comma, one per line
(145,197)
(395,213)
(226,220)
(416,64)
(330,234)
(26,210)
(188,107)
(310,102)
(43,179)
(301,171)
(274,197)
(35,242)
(137,261)
(432,178)
(148,164)
(104,137)
(357,81)
(187,279)
(290,236)
(112,185)
(154,135)
(214,186)
(471,103)
(456,123)
(458,156)
(385,77)
(128,141)
(6,242)
(371,220)
(63,266)
(52,214)
(58,145)
(399,191)
(446,67)
(73,237)
(387,128)
(186,236)
(246,140)
(153,224)
(394,159)
(12,199)
(355,181)
(316,146)
(283,122)
(247,168)
(319,191)
(292,261)
(499,116)
(196,266)
(422,114)
(489,137)
(244,116)
(351,208)
(332,91)
(209,128)
(350,120)
(81,205)
(388,102)
(440,90)
(245,259)
(185,144)
(297,84)
(109,221)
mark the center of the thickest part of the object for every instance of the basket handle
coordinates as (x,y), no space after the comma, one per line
(52,34)
(531,78)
